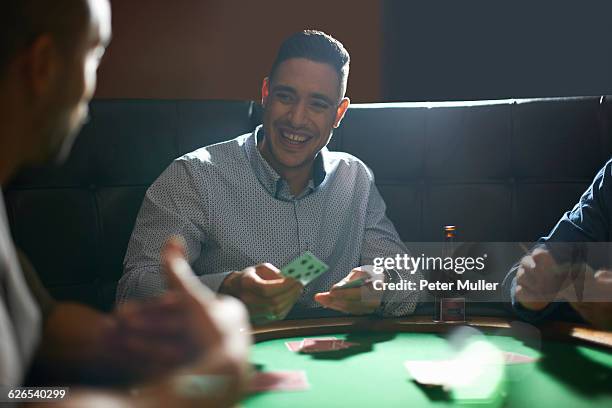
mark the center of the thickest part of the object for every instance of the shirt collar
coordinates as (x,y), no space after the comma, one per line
(271,180)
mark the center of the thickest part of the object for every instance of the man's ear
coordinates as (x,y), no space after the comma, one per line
(42,64)
(344,104)
(265,91)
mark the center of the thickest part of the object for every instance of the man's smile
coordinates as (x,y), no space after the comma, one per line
(294,138)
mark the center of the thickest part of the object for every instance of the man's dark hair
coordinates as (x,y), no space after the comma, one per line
(315,46)
(23,21)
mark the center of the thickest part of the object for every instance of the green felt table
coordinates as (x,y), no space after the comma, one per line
(574,366)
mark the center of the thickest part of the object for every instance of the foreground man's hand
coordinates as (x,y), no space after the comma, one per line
(218,328)
(158,335)
(361,300)
(539,280)
(267,294)
(219,325)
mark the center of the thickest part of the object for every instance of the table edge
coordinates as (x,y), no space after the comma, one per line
(562,331)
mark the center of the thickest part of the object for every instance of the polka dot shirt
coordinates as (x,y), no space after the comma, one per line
(235,211)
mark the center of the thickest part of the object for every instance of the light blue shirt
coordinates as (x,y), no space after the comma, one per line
(235,211)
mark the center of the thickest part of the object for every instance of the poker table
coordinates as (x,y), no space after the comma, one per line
(571,367)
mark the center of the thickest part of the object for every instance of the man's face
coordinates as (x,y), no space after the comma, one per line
(66,105)
(302,104)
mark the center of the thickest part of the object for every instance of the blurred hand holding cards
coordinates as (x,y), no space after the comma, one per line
(305,268)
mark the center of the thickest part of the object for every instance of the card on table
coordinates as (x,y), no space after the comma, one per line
(435,372)
(305,268)
(430,372)
(297,345)
(319,345)
(279,381)
(516,358)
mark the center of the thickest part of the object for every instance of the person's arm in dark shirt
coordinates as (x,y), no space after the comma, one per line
(588,221)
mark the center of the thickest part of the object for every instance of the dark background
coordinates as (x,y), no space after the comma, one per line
(466,50)
(401,50)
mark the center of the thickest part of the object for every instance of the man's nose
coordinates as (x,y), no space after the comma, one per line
(297,115)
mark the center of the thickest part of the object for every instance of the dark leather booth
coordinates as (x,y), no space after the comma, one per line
(500,170)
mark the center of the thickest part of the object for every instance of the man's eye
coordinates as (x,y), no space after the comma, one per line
(320,105)
(283,97)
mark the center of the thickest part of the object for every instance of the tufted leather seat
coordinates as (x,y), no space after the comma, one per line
(500,170)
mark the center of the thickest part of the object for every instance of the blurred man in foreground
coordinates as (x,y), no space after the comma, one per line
(49,54)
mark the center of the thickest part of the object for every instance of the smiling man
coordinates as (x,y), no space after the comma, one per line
(266,197)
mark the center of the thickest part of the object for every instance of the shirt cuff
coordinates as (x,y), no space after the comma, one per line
(531,316)
(398,303)
(214,280)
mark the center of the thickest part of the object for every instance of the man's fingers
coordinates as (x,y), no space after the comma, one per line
(282,308)
(267,288)
(604,276)
(176,267)
(179,274)
(529,299)
(169,303)
(180,277)
(277,305)
(354,274)
(341,305)
(528,275)
(175,245)
(142,348)
(255,302)
(157,326)
(267,271)
(353,294)
(526,279)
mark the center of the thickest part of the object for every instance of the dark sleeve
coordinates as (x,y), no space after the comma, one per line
(588,221)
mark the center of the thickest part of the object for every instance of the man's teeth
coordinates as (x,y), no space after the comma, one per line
(295,138)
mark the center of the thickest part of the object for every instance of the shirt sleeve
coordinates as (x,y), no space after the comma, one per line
(382,240)
(176,204)
(588,221)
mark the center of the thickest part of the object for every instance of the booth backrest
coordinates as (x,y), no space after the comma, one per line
(499,170)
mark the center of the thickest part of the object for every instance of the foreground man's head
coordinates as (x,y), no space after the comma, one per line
(49,54)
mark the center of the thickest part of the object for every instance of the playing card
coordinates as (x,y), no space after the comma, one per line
(279,381)
(430,372)
(297,345)
(305,268)
(473,375)
(516,358)
(318,345)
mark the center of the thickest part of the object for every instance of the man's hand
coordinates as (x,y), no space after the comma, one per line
(214,377)
(220,325)
(539,279)
(359,301)
(186,323)
(594,304)
(158,327)
(267,294)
